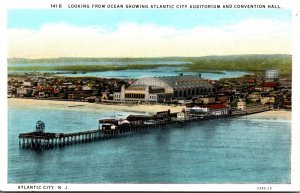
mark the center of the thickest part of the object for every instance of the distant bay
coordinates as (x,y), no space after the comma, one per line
(119,70)
(251,63)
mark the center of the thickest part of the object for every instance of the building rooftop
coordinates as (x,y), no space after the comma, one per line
(182,81)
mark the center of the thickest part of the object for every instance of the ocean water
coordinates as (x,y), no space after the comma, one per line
(240,150)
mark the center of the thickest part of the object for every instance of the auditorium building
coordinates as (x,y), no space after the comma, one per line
(158,89)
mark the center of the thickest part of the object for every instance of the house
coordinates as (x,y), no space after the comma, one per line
(218,109)
(269,86)
(24,91)
(254,97)
(27,83)
(267,100)
(89,90)
(183,115)
(75,95)
(241,105)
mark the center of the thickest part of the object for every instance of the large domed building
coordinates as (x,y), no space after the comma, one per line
(157,89)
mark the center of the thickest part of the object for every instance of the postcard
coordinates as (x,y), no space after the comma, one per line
(150,95)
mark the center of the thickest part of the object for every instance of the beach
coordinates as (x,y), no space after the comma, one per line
(273,114)
(151,109)
(85,106)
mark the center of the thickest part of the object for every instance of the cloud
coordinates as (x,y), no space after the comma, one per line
(252,36)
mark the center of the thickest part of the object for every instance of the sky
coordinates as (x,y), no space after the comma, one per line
(49,33)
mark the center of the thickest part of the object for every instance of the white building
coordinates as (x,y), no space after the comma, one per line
(183,115)
(24,90)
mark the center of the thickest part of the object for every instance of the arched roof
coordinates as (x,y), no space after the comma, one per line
(176,82)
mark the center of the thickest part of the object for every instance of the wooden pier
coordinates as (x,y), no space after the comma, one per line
(37,140)
(43,140)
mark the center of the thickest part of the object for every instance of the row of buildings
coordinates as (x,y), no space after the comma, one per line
(268,90)
(62,88)
(189,113)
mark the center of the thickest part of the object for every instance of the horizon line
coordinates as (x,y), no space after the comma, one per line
(91,57)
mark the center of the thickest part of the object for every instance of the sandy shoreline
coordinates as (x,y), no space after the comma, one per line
(274,114)
(84,106)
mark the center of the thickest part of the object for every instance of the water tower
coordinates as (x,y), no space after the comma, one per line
(271,75)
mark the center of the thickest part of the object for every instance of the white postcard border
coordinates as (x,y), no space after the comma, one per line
(295,171)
